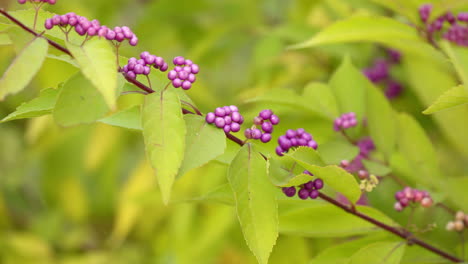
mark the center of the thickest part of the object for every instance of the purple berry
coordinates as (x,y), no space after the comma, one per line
(279,151)
(266,114)
(256,133)
(227,128)
(274,119)
(179,60)
(210,118)
(267,127)
(318,184)
(266,137)
(309,185)
(219,111)
(314,194)
(177,83)
(186,85)
(248,133)
(303,194)
(219,122)
(289,191)
(235,127)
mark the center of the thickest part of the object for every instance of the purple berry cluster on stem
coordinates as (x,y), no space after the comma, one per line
(309,189)
(366,146)
(408,195)
(379,73)
(92,28)
(266,119)
(227,117)
(295,138)
(456,30)
(184,73)
(143,65)
(345,121)
(50,2)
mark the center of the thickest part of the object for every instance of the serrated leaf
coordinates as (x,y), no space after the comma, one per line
(203,143)
(309,220)
(255,201)
(381,121)
(454,97)
(459,57)
(349,87)
(416,147)
(320,95)
(78,102)
(380,252)
(98,63)
(128,118)
(371,28)
(333,152)
(164,135)
(24,67)
(376,168)
(333,176)
(42,105)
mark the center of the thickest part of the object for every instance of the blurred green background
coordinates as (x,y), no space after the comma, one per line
(86,195)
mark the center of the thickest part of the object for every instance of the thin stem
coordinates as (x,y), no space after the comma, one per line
(348,137)
(37,8)
(410,217)
(403,233)
(193,107)
(117,46)
(137,83)
(149,81)
(462,238)
(235,139)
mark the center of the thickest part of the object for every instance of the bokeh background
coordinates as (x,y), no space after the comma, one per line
(85,194)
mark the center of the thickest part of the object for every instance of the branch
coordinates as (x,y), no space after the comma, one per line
(401,232)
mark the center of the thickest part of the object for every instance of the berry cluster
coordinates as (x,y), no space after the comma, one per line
(366,145)
(92,28)
(266,120)
(183,74)
(227,117)
(50,2)
(307,190)
(408,195)
(143,65)
(295,138)
(460,223)
(345,121)
(379,73)
(457,31)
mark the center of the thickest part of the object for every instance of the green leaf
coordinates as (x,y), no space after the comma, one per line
(454,97)
(128,118)
(349,86)
(455,188)
(380,252)
(203,143)
(376,168)
(42,105)
(255,201)
(404,7)
(5,39)
(98,63)
(320,95)
(381,121)
(221,194)
(333,152)
(309,220)
(416,147)
(281,170)
(24,67)
(459,57)
(298,180)
(164,135)
(78,103)
(333,176)
(370,28)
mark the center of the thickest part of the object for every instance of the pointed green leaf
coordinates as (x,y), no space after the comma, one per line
(164,135)
(333,176)
(99,64)
(298,180)
(333,152)
(349,86)
(381,121)
(204,142)
(221,194)
(371,28)
(79,103)
(309,220)
(24,67)
(42,105)
(454,97)
(380,252)
(321,95)
(459,57)
(376,168)
(415,146)
(255,201)
(128,118)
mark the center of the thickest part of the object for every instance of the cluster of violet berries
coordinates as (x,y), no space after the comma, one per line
(379,73)
(227,117)
(457,31)
(408,195)
(345,121)
(50,2)
(307,190)
(183,74)
(143,65)
(91,28)
(460,222)
(266,119)
(295,138)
